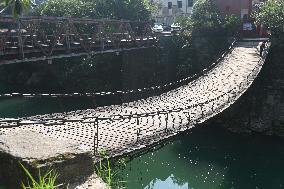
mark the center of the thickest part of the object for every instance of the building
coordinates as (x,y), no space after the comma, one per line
(170,9)
(241,8)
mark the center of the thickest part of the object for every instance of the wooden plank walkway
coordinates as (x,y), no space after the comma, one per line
(130,126)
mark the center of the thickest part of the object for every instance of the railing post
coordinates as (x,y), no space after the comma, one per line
(137,120)
(20,39)
(146,32)
(102,44)
(138,134)
(96,136)
(67,37)
(167,117)
(188,119)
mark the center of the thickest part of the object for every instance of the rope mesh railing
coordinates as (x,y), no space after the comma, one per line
(124,133)
(162,88)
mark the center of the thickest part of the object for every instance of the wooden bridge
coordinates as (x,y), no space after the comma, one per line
(130,126)
(45,38)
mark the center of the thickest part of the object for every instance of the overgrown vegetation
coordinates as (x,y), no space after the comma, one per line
(108,171)
(205,35)
(112,9)
(206,20)
(271,15)
(15,7)
(46,181)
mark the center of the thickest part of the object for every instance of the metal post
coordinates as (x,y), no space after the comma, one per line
(20,39)
(174,122)
(228,97)
(188,119)
(138,129)
(101,37)
(167,117)
(137,120)
(148,40)
(18,123)
(138,134)
(212,108)
(96,136)
(67,37)
(160,122)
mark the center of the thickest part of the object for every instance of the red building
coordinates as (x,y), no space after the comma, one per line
(241,8)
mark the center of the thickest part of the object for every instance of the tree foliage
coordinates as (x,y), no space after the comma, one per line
(206,20)
(16,7)
(231,24)
(205,35)
(206,17)
(113,9)
(271,15)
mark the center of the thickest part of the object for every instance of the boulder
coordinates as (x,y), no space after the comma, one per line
(37,151)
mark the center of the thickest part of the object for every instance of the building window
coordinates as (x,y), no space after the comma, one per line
(190,3)
(170,5)
(179,4)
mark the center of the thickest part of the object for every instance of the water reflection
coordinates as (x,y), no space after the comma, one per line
(210,158)
(169,183)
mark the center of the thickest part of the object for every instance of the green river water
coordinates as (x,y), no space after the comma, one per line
(205,158)
(210,158)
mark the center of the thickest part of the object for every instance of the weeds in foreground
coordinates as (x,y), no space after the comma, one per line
(47,181)
(108,174)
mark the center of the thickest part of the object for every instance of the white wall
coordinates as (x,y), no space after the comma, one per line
(168,16)
(185,8)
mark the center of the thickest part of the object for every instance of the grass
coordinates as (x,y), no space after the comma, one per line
(108,174)
(46,181)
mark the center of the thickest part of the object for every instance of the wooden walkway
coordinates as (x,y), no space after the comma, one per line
(124,128)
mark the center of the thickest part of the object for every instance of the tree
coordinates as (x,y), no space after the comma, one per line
(205,35)
(206,20)
(17,6)
(206,17)
(271,15)
(67,8)
(232,24)
(113,9)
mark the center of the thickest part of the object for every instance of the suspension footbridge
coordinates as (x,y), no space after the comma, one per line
(124,128)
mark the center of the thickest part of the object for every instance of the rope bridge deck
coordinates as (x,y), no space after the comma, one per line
(124,128)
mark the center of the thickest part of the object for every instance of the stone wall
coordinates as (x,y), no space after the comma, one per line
(261,108)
